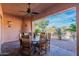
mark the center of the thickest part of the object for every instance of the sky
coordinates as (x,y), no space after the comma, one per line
(62,18)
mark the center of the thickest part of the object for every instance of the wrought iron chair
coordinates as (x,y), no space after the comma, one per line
(48,41)
(42,44)
(26,47)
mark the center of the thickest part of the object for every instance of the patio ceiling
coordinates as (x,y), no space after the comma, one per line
(13,8)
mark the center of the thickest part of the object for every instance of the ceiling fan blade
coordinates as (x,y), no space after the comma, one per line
(34,12)
(25,15)
(22,11)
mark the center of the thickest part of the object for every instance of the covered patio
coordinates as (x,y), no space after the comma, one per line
(14,21)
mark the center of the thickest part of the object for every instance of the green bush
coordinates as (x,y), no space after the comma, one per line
(37,30)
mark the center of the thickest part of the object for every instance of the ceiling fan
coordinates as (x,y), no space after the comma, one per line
(29,11)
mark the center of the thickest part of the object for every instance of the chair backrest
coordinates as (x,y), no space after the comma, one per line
(25,40)
(48,36)
(43,42)
(42,37)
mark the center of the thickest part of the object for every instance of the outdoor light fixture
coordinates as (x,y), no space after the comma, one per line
(0,17)
(9,23)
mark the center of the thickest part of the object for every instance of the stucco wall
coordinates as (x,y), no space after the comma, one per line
(10,33)
(1,14)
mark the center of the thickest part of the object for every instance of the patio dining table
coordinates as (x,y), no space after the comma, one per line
(35,40)
(35,43)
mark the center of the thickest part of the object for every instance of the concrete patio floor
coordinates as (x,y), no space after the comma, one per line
(57,47)
(62,48)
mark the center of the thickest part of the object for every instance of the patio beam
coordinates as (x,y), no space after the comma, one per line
(77,30)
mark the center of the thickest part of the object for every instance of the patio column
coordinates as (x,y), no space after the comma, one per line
(77,10)
(27,24)
(1,14)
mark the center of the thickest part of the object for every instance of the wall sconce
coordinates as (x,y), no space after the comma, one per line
(9,23)
(0,17)
(25,25)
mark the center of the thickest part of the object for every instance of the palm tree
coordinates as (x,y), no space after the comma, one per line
(59,33)
(72,29)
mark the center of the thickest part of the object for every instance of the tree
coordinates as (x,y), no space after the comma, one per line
(59,33)
(72,29)
(42,24)
(37,31)
(50,29)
